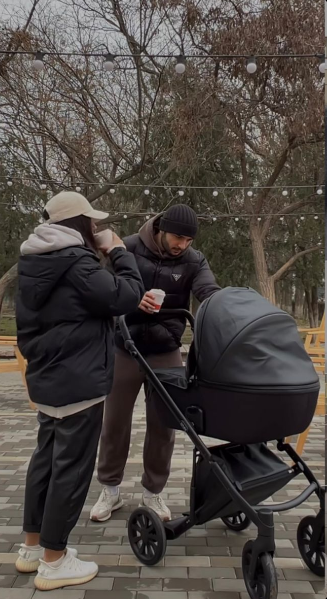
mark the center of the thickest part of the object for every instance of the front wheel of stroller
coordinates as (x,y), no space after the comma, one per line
(312,551)
(238,521)
(147,536)
(264,585)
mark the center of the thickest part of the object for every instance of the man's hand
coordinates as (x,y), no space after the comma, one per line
(148,304)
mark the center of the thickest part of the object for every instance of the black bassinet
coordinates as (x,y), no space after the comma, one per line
(248,378)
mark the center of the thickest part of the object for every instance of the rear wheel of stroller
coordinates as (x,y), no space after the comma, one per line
(312,552)
(147,536)
(238,521)
(264,584)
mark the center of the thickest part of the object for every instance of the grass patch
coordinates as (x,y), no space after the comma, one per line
(8,326)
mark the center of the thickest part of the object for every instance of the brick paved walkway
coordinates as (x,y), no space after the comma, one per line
(204,564)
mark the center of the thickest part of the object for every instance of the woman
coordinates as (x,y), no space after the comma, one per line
(65,308)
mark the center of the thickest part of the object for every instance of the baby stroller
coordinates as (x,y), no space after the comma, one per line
(247,381)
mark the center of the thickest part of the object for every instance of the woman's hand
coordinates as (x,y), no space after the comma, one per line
(107,241)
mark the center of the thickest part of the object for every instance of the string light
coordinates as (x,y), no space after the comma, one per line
(251,65)
(181,193)
(302,217)
(9,183)
(125,216)
(259,218)
(322,65)
(38,62)
(180,66)
(43,186)
(285,193)
(78,188)
(250,194)
(215,189)
(147,217)
(316,217)
(108,63)
(236,219)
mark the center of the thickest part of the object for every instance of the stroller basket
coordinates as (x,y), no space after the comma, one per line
(255,470)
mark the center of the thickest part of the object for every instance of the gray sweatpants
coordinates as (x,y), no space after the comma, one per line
(117,425)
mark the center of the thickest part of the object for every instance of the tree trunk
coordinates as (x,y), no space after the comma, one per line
(309,305)
(266,283)
(314,304)
(298,303)
(8,278)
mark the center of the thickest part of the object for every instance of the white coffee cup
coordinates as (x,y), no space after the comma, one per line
(159,298)
(103,238)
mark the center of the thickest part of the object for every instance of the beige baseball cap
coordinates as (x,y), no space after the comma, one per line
(68,204)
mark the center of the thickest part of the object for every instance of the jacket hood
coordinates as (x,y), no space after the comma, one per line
(46,256)
(147,234)
(49,238)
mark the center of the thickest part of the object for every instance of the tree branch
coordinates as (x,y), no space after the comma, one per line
(292,261)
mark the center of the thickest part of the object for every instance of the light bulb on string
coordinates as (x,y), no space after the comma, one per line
(38,62)
(250,194)
(259,218)
(147,192)
(78,188)
(181,192)
(281,219)
(285,193)
(43,186)
(316,217)
(214,219)
(125,216)
(251,65)
(215,193)
(9,183)
(180,65)
(112,190)
(302,218)
(236,219)
(319,191)
(147,217)
(108,63)
(322,65)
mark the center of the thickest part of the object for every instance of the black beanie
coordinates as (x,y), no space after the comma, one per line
(179,220)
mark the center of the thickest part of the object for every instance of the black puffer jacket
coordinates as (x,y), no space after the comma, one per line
(65,307)
(178,277)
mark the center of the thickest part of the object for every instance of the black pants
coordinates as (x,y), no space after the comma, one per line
(60,474)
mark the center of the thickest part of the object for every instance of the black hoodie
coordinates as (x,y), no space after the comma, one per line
(65,308)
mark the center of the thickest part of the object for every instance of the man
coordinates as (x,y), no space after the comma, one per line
(166,261)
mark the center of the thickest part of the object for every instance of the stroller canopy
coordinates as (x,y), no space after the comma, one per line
(241,339)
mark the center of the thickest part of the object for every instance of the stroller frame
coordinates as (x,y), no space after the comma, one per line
(260,515)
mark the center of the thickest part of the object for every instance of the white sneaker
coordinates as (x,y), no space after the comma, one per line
(157,504)
(29,558)
(106,504)
(70,571)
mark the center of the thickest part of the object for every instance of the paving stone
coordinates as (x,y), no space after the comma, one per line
(164,572)
(120,572)
(6,581)
(213,595)
(212,573)
(21,594)
(138,584)
(66,593)
(196,584)
(160,595)
(188,561)
(110,595)
(97,584)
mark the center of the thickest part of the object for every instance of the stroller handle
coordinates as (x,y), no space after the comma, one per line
(178,312)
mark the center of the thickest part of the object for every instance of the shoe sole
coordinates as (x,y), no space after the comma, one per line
(164,519)
(43,584)
(26,567)
(114,509)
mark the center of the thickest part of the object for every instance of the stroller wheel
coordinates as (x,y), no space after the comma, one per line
(238,521)
(147,536)
(312,552)
(264,584)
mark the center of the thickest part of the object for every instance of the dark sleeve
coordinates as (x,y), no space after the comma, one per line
(204,283)
(105,293)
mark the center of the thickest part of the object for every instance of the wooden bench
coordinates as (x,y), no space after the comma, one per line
(14,365)
(320,411)
(315,345)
